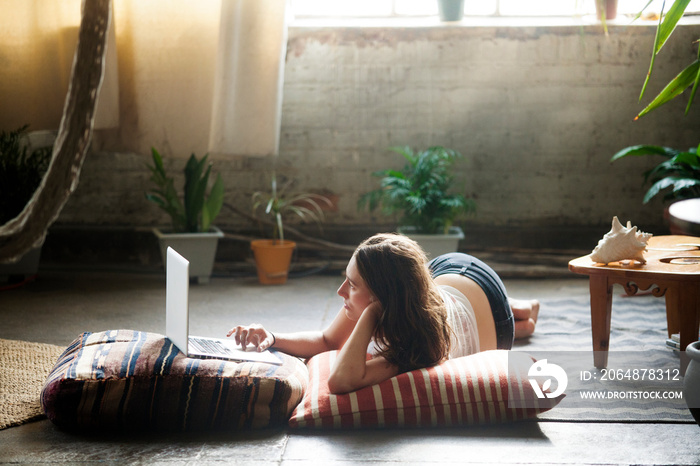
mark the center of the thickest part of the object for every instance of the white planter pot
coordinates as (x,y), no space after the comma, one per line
(691,380)
(451,10)
(435,245)
(198,248)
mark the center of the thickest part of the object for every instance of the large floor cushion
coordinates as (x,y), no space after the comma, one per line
(127,380)
(487,387)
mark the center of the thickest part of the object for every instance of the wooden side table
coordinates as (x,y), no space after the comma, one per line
(672,270)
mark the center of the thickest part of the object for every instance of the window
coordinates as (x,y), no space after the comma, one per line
(504,8)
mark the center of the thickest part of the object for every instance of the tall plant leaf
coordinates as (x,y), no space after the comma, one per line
(686,78)
(657,34)
(689,76)
(695,87)
(198,210)
(213,203)
(670,21)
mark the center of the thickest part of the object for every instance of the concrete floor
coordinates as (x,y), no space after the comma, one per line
(61,304)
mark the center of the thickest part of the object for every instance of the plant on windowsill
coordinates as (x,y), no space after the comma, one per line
(606,10)
(422,195)
(22,168)
(273,256)
(192,233)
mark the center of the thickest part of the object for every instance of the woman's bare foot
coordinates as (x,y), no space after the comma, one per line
(525,312)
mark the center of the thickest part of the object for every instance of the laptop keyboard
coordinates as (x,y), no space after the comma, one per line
(208,346)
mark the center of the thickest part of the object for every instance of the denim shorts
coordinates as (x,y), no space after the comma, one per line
(486,278)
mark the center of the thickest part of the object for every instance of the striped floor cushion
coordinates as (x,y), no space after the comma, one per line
(129,380)
(483,388)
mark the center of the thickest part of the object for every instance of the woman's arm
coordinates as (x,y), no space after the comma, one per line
(352,370)
(301,344)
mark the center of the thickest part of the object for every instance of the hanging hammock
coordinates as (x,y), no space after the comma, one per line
(29,228)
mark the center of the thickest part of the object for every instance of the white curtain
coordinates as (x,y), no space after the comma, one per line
(249,77)
(185,76)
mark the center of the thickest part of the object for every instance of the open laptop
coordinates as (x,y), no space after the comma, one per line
(177,320)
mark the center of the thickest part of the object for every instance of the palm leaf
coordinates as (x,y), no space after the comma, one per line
(406,152)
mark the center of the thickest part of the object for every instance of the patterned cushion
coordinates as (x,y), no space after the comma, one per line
(483,388)
(127,380)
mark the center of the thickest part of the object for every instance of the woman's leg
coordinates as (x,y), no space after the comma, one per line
(525,312)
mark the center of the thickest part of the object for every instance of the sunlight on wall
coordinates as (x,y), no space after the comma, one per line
(34,62)
(157,42)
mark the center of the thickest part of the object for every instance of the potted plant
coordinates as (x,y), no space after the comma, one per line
(680,170)
(451,10)
(22,167)
(273,256)
(606,9)
(192,233)
(421,195)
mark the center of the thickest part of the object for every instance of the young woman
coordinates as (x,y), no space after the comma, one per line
(407,312)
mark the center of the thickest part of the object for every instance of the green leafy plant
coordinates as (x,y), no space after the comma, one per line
(680,170)
(420,193)
(197,212)
(690,76)
(277,204)
(21,172)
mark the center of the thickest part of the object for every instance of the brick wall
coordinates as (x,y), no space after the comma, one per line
(537,112)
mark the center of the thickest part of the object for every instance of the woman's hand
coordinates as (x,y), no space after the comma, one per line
(373,311)
(254,334)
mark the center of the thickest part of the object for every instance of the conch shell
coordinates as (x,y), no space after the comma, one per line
(621,243)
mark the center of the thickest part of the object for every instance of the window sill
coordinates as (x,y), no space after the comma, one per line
(475,22)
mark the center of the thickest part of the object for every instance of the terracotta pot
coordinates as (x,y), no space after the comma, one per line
(691,380)
(272,259)
(610,9)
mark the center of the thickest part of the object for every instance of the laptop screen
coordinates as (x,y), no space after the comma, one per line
(176,299)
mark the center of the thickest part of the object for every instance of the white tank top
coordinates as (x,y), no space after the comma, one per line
(462,321)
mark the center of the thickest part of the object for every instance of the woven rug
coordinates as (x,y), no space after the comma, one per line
(24,367)
(637,341)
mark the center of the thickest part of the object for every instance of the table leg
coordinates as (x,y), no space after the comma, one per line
(601,311)
(689,313)
(672,310)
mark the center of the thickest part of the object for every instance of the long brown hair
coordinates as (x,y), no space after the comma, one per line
(412,330)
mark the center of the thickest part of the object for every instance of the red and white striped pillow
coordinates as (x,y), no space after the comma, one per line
(476,389)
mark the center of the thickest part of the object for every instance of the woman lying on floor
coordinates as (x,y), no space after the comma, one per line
(407,312)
